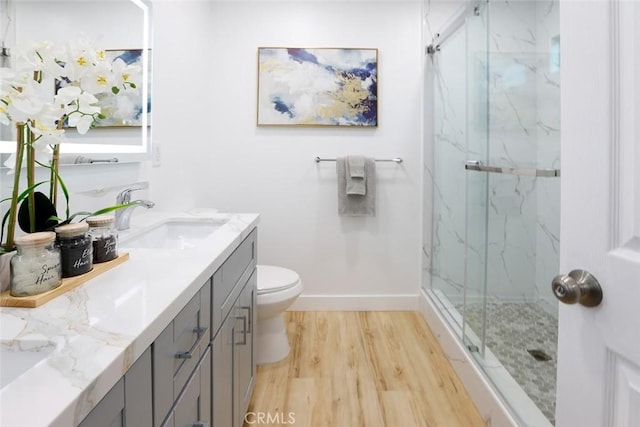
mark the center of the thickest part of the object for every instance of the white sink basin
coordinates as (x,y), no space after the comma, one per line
(173,234)
(18,357)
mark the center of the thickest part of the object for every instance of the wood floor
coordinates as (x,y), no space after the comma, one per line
(349,369)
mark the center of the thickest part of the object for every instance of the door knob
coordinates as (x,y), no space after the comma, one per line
(577,286)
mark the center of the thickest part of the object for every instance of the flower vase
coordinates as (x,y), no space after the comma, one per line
(5,271)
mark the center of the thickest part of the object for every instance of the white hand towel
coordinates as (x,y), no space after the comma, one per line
(356,176)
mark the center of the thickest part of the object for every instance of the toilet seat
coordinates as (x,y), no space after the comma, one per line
(274,279)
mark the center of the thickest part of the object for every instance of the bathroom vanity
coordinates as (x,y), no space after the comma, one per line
(164,339)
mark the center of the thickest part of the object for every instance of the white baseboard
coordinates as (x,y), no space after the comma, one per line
(490,406)
(356,303)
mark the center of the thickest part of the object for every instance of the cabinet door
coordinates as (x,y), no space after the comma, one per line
(109,412)
(128,403)
(222,349)
(243,356)
(193,407)
(138,408)
(177,350)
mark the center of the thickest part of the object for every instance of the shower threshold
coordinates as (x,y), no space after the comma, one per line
(523,408)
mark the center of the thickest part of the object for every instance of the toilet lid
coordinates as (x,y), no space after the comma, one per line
(272,278)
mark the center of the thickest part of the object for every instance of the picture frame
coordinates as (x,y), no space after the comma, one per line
(317,87)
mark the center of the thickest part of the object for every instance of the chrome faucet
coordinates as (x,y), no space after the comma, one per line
(123,215)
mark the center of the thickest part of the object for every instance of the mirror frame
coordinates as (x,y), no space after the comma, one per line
(124,153)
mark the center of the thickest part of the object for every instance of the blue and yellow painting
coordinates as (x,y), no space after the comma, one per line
(317,87)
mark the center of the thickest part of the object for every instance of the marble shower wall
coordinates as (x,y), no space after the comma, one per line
(513,220)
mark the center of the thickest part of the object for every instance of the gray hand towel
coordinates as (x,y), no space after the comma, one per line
(356,176)
(355,204)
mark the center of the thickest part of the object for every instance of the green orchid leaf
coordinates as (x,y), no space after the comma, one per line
(71,218)
(29,190)
(5,217)
(63,186)
(65,192)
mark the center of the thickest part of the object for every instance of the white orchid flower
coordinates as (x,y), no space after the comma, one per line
(81,58)
(81,122)
(28,96)
(46,125)
(99,79)
(42,56)
(78,107)
(25,101)
(127,76)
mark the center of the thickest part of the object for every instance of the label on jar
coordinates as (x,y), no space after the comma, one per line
(77,260)
(105,249)
(34,276)
(49,273)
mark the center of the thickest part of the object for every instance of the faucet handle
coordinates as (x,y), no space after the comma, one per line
(125,195)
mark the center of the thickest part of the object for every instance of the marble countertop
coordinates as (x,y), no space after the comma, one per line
(78,345)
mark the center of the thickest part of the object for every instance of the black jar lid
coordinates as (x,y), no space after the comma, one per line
(72,230)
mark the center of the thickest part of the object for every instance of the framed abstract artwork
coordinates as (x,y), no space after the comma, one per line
(317,87)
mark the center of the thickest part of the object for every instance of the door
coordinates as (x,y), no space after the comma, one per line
(599,347)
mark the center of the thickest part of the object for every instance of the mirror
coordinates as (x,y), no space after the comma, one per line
(117,26)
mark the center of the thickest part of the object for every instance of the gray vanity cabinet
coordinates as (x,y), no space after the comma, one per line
(200,370)
(233,323)
(128,403)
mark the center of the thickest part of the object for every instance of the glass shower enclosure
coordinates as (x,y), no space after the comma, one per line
(495,207)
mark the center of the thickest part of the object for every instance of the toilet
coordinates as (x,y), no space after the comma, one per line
(278,288)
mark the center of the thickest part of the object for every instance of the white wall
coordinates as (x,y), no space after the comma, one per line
(236,166)
(213,155)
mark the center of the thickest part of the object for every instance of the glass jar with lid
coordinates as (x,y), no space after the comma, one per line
(76,252)
(35,268)
(104,238)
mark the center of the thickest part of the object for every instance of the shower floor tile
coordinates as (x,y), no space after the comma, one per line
(512,330)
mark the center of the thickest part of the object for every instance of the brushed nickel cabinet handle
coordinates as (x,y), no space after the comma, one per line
(201,333)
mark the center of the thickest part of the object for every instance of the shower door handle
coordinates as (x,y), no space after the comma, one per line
(579,286)
(476,165)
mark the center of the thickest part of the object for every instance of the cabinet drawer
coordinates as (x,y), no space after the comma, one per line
(193,407)
(227,276)
(177,350)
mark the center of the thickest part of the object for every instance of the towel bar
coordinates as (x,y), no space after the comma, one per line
(395,160)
